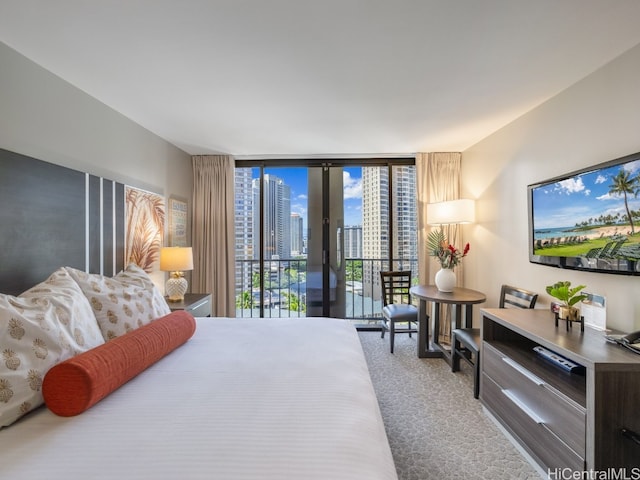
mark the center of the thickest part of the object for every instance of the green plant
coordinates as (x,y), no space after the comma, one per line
(567,295)
(448,255)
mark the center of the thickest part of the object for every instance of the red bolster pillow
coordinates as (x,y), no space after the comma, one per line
(72,386)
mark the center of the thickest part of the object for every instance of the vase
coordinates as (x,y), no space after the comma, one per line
(445,279)
(569,313)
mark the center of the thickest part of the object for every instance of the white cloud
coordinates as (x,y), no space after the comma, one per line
(632,167)
(299,209)
(610,196)
(601,179)
(352,186)
(570,185)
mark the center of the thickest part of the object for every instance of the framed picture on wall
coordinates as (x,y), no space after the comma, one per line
(145,212)
(177,223)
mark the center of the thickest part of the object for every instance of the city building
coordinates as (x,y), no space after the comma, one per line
(353,241)
(297,239)
(376,212)
(277,216)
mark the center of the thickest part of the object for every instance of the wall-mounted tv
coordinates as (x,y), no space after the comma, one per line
(588,219)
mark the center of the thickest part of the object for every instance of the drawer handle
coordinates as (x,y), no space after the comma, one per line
(535,379)
(631,435)
(522,406)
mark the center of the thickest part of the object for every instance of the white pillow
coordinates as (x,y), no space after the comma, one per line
(121,303)
(79,329)
(41,327)
(134,275)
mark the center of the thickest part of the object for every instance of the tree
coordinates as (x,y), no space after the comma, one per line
(244,300)
(623,184)
(353,270)
(293,302)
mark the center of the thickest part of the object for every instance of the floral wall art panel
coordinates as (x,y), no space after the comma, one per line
(144,228)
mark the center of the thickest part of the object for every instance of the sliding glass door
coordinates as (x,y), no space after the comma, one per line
(311,239)
(325,243)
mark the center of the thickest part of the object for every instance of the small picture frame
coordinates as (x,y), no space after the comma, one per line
(594,310)
(178,211)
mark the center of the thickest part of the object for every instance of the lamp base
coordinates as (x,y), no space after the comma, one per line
(175,288)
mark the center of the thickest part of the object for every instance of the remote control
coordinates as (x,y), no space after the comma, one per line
(558,360)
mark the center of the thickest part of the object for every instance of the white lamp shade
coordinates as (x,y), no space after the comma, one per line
(452,211)
(176,259)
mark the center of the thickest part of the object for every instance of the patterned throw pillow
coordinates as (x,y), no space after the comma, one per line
(121,303)
(134,275)
(41,327)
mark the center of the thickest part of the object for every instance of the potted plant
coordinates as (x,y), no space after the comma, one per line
(448,256)
(568,297)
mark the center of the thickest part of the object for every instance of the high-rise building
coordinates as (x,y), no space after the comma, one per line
(353,241)
(376,212)
(297,239)
(277,216)
(375,227)
(405,218)
(244,226)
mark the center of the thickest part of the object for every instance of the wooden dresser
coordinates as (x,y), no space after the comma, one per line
(563,419)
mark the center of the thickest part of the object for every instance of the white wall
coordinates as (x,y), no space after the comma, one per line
(46,118)
(595,120)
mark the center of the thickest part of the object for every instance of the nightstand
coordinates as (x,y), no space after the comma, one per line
(197,304)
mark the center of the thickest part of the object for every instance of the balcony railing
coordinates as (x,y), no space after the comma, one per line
(293,291)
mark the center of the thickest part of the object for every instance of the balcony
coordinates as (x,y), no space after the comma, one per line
(292,291)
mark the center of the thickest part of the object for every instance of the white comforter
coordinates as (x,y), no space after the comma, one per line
(243,399)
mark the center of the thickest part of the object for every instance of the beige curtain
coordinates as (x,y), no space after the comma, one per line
(438,178)
(213,231)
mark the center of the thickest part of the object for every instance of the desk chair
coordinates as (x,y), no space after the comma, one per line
(465,342)
(396,304)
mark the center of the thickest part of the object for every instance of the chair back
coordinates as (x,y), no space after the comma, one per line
(513,297)
(395,287)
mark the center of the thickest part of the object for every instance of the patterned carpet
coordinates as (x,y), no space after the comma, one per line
(436,429)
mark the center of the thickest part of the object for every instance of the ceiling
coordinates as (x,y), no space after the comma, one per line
(302,78)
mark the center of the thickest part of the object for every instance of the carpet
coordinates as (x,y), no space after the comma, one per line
(436,429)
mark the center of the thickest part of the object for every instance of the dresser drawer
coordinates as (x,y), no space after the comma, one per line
(534,435)
(556,412)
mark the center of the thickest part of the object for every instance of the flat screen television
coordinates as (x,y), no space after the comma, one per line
(588,219)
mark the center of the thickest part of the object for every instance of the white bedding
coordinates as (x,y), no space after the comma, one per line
(243,399)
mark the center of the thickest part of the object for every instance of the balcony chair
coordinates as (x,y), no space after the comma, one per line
(396,304)
(465,342)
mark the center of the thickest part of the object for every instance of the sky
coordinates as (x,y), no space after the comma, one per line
(576,199)
(297,179)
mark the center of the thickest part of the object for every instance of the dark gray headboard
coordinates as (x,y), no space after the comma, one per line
(53,216)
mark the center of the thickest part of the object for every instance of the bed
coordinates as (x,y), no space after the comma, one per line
(232,399)
(241,399)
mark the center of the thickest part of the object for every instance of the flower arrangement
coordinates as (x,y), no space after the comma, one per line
(448,255)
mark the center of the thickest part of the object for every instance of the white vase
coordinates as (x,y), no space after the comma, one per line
(445,279)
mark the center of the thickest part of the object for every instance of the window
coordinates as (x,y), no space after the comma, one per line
(292,219)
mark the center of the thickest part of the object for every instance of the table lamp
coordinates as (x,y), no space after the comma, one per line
(176,260)
(451,212)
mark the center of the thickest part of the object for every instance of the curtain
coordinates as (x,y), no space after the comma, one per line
(213,231)
(438,180)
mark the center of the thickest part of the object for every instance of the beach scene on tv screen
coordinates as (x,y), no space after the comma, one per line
(593,215)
